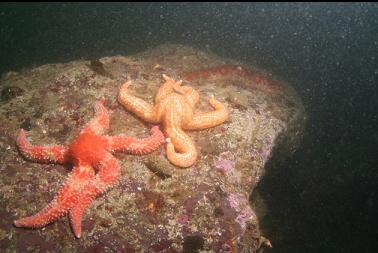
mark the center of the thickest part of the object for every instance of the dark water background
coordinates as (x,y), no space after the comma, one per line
(325,198)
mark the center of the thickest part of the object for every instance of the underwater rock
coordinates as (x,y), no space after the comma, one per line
(155,207)
(8,93)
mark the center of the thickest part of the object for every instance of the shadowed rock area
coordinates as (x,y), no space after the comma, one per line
(155,207)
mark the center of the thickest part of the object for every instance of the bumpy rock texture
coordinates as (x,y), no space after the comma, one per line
(155,207)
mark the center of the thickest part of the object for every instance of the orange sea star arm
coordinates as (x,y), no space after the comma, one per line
(166,88)
(209,119)
(181,150)
(138,106)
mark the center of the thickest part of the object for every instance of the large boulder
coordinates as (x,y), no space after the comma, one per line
(155,207)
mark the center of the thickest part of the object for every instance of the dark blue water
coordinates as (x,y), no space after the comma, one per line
(325,198)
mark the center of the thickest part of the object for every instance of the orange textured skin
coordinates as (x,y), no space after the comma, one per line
(94,171)
(174,109)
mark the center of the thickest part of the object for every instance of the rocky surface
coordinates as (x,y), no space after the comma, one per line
(155,207)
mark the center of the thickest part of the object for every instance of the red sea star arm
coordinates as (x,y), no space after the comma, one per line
(109,171)
(138,106)
(54,154)
(137,146)
(100,122)
(209,119)
(66,198)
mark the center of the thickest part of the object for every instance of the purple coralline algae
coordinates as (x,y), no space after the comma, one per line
(240,204)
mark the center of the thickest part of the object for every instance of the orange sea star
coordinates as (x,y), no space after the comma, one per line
(94,171)
(174,108)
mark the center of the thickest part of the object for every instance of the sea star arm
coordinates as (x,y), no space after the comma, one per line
(190,94)
(180,148)
(209,119)
(168,87)
(140,107)
(67,197)
(137,146)
(109,171)
(54,154)
(100,122)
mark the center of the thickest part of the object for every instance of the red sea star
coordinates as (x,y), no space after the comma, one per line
(94,171)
